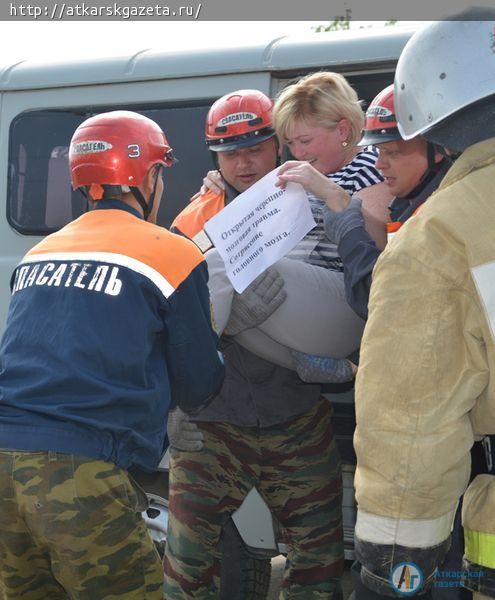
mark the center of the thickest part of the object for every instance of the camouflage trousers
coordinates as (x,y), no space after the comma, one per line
(296,468)
(71,528)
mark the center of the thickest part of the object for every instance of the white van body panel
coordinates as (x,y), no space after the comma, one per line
(343,51)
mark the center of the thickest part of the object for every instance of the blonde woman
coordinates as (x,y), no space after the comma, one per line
(320,120)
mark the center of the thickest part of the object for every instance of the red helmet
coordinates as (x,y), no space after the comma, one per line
(116,148)
(381,123)
(238,120)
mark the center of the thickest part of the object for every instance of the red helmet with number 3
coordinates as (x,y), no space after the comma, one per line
(380,125)
(239,120)
(116,148)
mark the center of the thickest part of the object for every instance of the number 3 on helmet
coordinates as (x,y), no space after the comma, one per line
(116,148)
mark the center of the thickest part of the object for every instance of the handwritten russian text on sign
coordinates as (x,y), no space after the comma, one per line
(259,227)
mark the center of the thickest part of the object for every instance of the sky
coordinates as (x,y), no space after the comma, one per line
(52,41)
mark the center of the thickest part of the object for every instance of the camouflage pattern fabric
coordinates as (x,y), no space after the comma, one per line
(295,466)
(70,528)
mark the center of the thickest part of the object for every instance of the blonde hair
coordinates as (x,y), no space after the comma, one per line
(325,98)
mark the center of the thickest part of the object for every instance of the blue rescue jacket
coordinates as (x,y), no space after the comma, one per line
(109,326)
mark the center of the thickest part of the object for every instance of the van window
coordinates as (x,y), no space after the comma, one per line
(40,198)
(184,127)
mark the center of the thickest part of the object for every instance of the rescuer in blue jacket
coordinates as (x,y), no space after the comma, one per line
(108,328)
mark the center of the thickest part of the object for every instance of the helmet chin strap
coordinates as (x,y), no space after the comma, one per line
(431,170)
(214,156)
(431,150)
(147,207)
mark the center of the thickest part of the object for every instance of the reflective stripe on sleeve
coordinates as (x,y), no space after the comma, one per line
(484,276)
(202,241)
(411,533)
(480,548)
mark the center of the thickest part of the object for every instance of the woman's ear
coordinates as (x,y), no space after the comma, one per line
(344,129)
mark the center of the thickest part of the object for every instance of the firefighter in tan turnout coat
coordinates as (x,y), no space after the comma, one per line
(425,388)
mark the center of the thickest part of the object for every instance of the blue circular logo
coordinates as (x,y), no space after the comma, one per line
(406,578)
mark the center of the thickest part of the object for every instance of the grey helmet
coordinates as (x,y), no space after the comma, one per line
(444,68)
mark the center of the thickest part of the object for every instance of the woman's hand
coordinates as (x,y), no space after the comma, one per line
(296,171)
(315,183)
(212,182)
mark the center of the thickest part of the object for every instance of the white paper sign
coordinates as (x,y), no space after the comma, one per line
(259,227)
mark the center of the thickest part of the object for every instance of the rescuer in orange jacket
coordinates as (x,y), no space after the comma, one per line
(266,427)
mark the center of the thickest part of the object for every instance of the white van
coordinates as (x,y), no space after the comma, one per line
(40,107)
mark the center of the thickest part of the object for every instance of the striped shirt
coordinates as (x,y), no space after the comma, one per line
(315,247)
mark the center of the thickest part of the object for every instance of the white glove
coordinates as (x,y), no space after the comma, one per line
(182,433)
(257,302)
